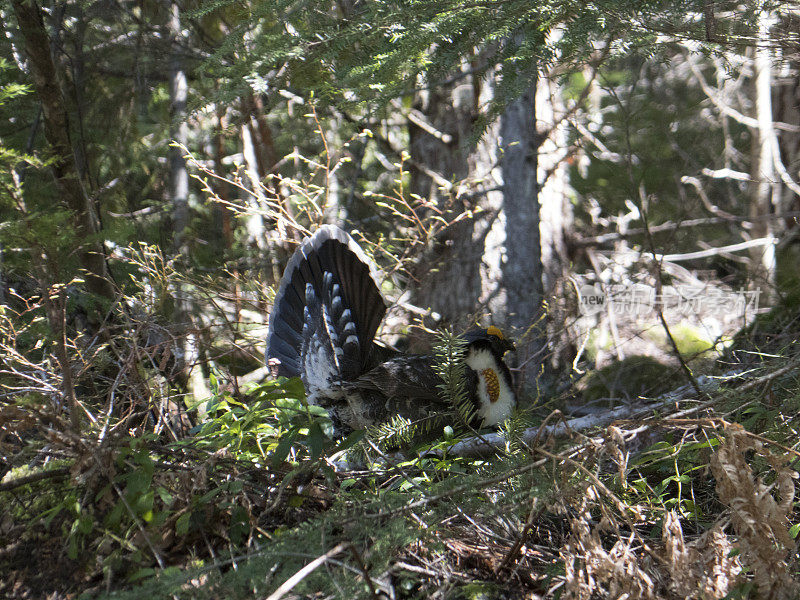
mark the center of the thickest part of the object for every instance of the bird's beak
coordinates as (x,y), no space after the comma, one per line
(508,346)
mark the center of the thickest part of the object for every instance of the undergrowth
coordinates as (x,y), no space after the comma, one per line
(664,508)
(134,491)
(248,491)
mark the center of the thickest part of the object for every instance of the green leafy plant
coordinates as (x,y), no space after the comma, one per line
(449,364)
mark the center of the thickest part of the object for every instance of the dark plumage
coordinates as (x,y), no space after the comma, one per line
(327,310)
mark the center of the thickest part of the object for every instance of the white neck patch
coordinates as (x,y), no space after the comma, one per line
(490,412)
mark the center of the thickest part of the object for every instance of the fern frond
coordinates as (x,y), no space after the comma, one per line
(399,431)
(512,429)
(449,365)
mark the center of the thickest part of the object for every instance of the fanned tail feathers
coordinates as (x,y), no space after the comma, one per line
(327,310)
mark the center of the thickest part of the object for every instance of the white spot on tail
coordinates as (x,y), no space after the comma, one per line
(319,371)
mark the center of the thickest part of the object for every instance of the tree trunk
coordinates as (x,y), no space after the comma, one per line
(765,191)
(449,274)
(188,351)
(786,109)
(179,132)
(47,82)
(269,233)
(522,271)
(257,201)
(555,215)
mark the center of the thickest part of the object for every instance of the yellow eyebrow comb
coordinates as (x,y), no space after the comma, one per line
(492,330)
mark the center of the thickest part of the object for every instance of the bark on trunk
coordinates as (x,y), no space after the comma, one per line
(188,346)
(522,271)
(449,274)
(765,191)
(47,82)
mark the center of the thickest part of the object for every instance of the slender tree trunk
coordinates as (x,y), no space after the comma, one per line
(270,234)
(47,82)
(786,109)
(764,189)
(78,89)
(188,350)
(555,215)
(257,200)
(262,134)
(555,212)
(522,271)
(221,187)
(179,132)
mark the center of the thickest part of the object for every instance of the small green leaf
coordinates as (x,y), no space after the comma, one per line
(351,440)
(145,502)
(72,550)
(165,496)
(283,448)
(84,524)
(317,440)
(213,383)
(51,513)
(114,517)
(182,524)
(794,530)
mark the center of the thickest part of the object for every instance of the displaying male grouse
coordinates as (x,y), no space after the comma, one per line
(327,310)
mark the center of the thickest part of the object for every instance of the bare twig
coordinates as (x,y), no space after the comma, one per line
(290,583)
(533,515)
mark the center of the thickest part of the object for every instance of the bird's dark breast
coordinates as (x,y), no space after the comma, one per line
(407,386)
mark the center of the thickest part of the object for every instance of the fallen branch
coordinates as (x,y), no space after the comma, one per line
(20,481)
(490,443)
(765,241)
(604,238)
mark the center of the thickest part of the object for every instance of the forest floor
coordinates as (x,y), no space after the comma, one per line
(692,497)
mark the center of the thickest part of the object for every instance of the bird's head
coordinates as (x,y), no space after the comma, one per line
(491,339)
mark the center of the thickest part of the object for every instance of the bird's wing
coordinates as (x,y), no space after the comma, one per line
(403,377)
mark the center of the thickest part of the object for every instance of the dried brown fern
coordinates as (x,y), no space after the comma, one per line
(591,570)
(702,569)
(759,511)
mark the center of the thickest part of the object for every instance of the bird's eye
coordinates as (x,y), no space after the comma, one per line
(492,330)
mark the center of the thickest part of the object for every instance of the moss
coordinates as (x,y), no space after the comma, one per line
(692,342)
(479,590)
(630,378)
